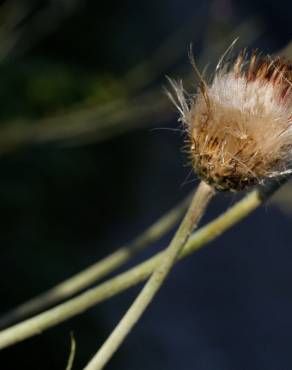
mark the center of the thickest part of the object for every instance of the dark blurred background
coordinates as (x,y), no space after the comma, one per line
(86,164)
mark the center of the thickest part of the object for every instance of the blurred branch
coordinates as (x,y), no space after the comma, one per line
(98,270)
(283,199)
(21,29)
(167,54)
(12,14)
(90,124)
(287,51)
(75,306)
(246,32)
(86,123)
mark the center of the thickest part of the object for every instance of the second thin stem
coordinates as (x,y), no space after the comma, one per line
(196,209)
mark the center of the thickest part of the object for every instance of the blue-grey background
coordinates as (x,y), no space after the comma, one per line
(67,202)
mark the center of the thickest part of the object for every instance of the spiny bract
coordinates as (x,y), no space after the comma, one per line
(240,125)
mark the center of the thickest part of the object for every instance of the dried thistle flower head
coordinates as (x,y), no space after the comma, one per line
(240,125)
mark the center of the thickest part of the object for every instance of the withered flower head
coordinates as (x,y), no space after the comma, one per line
(240,125)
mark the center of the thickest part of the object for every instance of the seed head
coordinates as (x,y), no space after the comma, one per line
(240,125)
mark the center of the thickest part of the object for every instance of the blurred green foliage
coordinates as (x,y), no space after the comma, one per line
(38,88)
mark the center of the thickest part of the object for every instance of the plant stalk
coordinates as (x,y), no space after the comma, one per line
(137,274)
(196,209)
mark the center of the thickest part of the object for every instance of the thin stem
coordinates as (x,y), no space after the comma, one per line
(196,209)
(137,274)
(97,271)
(72,353)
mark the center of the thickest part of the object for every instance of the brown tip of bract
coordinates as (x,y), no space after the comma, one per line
(240,125)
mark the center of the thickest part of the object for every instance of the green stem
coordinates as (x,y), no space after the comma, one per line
(98,270)
(120,283)
(72,353)
(197,208)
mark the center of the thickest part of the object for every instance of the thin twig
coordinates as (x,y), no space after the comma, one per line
(97,271)
(120,283)
(195,211)
(72,353)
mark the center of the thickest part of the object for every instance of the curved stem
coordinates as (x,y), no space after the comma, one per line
(197,208)
(98,270)
(135,275)
(72,353)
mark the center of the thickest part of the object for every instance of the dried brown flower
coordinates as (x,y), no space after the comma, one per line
(240,125)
